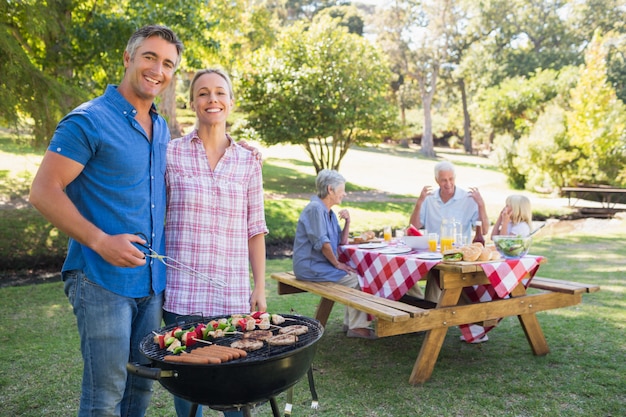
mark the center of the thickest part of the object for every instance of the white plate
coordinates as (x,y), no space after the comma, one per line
(431,256)
(371,245)
(396,250)
(351,241)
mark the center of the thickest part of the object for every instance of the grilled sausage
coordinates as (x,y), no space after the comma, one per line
(242,353)
(237,353)
(193,359)
(207,351)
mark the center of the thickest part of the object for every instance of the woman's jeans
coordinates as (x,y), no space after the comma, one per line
(183,407)
(111,327)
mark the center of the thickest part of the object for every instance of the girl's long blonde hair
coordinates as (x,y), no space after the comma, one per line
(520,208)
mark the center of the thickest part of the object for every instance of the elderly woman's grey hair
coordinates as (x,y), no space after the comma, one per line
(444,166)
(325,178)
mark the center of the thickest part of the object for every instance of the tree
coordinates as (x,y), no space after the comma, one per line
(616,65)
(512,110)
(580,137)
(429,50)
(596,123)
(391,23)
(463,30)
(56,55)
(51,59)
(320,87)
(416,37)
(526,35)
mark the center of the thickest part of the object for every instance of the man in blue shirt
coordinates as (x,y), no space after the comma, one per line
(102,181)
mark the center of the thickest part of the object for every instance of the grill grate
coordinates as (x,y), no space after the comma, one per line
(152,350)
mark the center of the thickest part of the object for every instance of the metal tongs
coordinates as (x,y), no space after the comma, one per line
(174,264)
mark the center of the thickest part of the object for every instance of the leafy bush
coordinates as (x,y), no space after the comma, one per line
(28,241)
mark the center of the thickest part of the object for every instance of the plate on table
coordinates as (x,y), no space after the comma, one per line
(396,250)
(373,245)
(431,256)
(355,241)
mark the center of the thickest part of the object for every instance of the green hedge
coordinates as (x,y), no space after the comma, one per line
(28,241)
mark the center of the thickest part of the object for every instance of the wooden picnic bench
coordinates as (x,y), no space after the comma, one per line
(398,317)
(330,292)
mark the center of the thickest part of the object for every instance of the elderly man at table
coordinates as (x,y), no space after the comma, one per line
(449,201)
(318,236)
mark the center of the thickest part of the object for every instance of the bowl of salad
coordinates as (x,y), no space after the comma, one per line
(512,247)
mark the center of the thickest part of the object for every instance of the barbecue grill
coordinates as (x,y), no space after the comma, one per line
(239,384)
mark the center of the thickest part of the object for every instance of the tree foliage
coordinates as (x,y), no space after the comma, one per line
(616,65)
(597,122)
(579,138)
(513,110)
(47,63)
(544,157)
(514,105)
(506,63)
(526,35)
(57,55)
(320,87)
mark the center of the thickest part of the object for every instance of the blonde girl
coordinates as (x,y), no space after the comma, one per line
(515,218)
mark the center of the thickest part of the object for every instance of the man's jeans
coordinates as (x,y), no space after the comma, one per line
(111,327)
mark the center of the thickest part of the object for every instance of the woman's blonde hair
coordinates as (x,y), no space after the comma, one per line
(520,208)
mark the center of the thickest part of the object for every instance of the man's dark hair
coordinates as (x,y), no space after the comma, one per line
(146,32)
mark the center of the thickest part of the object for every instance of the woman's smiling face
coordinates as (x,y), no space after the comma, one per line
(212,99)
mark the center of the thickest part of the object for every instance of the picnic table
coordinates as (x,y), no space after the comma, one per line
(499,289)
(608,197)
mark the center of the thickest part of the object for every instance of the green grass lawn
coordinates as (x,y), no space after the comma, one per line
(582,376)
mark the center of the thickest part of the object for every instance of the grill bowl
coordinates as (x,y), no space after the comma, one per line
(258,377)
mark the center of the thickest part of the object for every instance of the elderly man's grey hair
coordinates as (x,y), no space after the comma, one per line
(325,178)
(444,166)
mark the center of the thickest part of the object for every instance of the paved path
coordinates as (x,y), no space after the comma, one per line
(394,174)
(406,174)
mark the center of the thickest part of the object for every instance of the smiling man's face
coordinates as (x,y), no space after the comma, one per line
(151,69)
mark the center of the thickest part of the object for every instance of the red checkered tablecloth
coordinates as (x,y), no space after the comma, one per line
(504,277)
(385,275)
(392,275)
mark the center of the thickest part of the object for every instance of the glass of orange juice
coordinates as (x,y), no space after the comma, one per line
(446,243)
(387,233)
(432,242)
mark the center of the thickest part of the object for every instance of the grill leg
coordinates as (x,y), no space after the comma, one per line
(314,403)
(289,403)
(274,405)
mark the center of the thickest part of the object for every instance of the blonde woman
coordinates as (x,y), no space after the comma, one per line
(515,218)
(215,215)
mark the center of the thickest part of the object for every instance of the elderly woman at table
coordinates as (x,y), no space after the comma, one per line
(318,236)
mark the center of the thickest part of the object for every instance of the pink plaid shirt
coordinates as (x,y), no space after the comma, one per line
(210,217)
